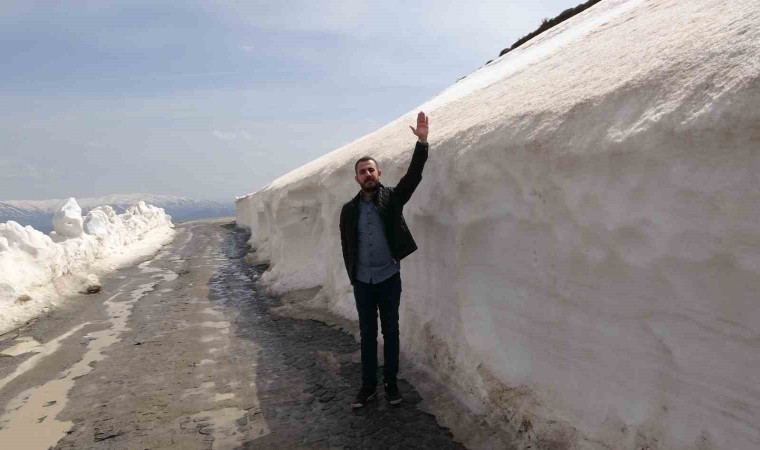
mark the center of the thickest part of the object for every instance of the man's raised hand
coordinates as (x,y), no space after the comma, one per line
(421,131)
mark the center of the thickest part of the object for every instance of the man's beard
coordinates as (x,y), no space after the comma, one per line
(371,189)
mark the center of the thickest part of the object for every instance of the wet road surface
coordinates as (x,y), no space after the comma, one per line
(182,351)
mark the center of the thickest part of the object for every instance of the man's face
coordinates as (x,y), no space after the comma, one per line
(368,175)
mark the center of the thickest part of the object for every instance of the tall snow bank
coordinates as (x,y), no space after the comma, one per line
(67,220)
(589,230)
(36,269)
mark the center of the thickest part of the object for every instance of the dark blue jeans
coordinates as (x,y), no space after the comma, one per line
(384,296)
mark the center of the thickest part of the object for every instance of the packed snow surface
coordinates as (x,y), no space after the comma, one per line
(37,269)
(588,224)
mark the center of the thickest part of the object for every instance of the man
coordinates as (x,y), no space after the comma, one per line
(375,239)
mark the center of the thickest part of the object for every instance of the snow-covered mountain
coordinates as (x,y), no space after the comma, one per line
(39,213)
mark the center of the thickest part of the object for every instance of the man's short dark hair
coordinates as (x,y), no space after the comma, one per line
(362,159)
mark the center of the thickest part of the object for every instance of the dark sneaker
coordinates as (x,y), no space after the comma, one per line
(392,393)
(366,393)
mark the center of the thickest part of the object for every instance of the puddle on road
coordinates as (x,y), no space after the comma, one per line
(223,324)
(25,344)
(169,275)
(223,397)
(29,421)
(205,389)
(223,426)
(43,350)
(213,312)
(145,269)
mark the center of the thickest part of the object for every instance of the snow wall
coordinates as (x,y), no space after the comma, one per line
(37,270)
(589,230)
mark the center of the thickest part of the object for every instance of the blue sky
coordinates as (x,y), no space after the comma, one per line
(212,99)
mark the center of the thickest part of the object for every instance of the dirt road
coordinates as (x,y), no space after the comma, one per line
(182,352)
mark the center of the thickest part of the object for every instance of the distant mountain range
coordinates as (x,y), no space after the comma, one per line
(39,213)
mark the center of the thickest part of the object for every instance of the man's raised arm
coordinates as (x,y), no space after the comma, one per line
(413,176)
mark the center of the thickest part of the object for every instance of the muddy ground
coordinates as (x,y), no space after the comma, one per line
(182,351)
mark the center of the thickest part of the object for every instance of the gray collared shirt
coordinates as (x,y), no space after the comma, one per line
(374,260)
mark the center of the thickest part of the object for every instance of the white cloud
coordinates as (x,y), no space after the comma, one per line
(232,135)
(296,15)
(225,136)
(482,25)
(20,170)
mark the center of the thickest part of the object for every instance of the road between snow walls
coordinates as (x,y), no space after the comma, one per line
(588,227)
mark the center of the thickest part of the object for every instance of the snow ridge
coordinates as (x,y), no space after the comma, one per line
(38,213)
(36,270)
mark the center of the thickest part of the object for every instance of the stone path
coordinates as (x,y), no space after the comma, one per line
(183,352)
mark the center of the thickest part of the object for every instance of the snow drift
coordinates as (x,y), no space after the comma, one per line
(39,213)
(35,269)
(589,230)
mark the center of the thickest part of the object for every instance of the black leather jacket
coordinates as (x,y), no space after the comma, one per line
(389,202)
